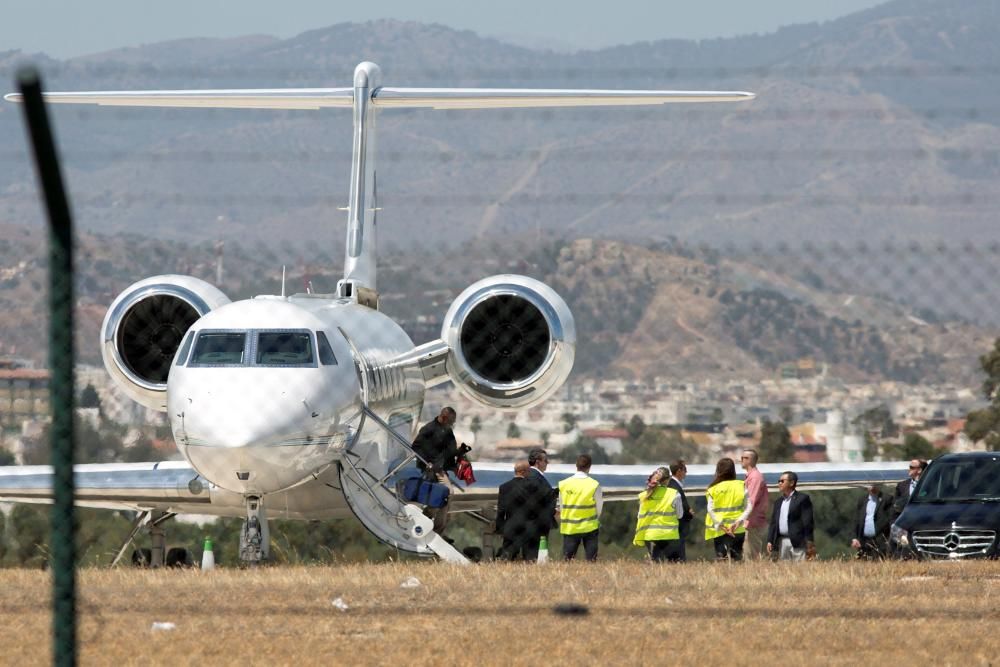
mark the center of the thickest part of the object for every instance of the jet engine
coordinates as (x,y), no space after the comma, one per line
(511,341)
(144,327)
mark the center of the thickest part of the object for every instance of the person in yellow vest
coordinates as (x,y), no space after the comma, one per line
(580,504)
(658,526)
(728,509)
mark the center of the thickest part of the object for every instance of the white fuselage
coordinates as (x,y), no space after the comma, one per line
(266,394)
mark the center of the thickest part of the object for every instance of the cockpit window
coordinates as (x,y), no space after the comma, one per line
(284,348)
(182,355)
(219,348)
(326,356)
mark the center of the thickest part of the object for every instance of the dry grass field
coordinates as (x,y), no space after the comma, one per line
(700,613)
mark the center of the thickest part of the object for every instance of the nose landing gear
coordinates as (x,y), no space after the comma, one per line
(254,538)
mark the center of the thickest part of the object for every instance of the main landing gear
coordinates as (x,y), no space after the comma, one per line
(157,555)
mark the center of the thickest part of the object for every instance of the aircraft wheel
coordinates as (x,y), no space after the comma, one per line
(142,557)
(178,557)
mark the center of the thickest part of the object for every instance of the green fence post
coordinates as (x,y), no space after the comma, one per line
(61,365)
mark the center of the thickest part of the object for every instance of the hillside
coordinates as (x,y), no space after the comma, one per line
(873,126)
(640,312)
(658,313)
(877,128)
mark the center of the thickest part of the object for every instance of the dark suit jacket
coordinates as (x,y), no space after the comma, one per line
(883,515)
(685,520)
(524,509)
(536,475)
(900,497)
(800,521)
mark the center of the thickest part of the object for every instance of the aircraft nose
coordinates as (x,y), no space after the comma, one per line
(237,413)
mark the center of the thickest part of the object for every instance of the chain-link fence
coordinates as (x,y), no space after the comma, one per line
(823,258)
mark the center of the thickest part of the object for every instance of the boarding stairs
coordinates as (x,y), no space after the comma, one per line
(372,471)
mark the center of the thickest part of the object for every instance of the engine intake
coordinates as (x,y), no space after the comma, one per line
(144,327)
(511,339)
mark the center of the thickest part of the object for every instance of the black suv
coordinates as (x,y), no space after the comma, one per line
(954,511)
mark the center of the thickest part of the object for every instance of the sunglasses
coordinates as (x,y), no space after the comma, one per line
(914,467)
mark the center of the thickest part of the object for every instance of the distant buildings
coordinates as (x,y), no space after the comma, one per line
(723,417)
(24,393)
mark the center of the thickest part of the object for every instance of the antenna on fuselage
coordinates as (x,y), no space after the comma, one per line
(282,281)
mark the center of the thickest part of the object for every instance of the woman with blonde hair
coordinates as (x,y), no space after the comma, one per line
(728,509)
(658,524)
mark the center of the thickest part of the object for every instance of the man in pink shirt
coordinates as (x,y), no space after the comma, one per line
(756,524)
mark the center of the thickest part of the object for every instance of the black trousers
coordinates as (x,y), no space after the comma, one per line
(685,529)
(666,550)
(874,548)
(729,546)
(571,544)
(526,549)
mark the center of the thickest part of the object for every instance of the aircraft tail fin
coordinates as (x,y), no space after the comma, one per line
(366,96)
(262,98)
(398,98)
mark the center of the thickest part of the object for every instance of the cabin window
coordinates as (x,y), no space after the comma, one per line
(185,348)
(284,348)
(326,356)
(219,348)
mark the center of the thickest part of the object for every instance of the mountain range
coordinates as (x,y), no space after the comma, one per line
(864,172)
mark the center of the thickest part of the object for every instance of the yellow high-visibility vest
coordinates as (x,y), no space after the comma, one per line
(578,507)
(729,502)
(657,518)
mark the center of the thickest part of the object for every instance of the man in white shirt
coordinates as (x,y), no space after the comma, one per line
(871,524)
(791,530)
(905,488)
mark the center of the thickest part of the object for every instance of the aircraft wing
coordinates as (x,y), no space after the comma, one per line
(167,486)
(434,98)
(176,487)
(625,482)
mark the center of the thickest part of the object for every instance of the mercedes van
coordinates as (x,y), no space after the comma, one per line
(954,511)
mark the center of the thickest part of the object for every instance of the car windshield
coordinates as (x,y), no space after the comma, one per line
(961,480)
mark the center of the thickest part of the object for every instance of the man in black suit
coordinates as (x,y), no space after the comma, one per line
(523,514)
(678,471)
(538,459)
(871,524)
(791,529)
(901,496)
(539,462)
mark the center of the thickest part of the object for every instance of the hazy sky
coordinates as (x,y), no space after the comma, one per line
(64,28)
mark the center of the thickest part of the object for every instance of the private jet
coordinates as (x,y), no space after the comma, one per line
(304,406)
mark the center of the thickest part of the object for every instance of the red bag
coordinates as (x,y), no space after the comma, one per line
(464,472)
